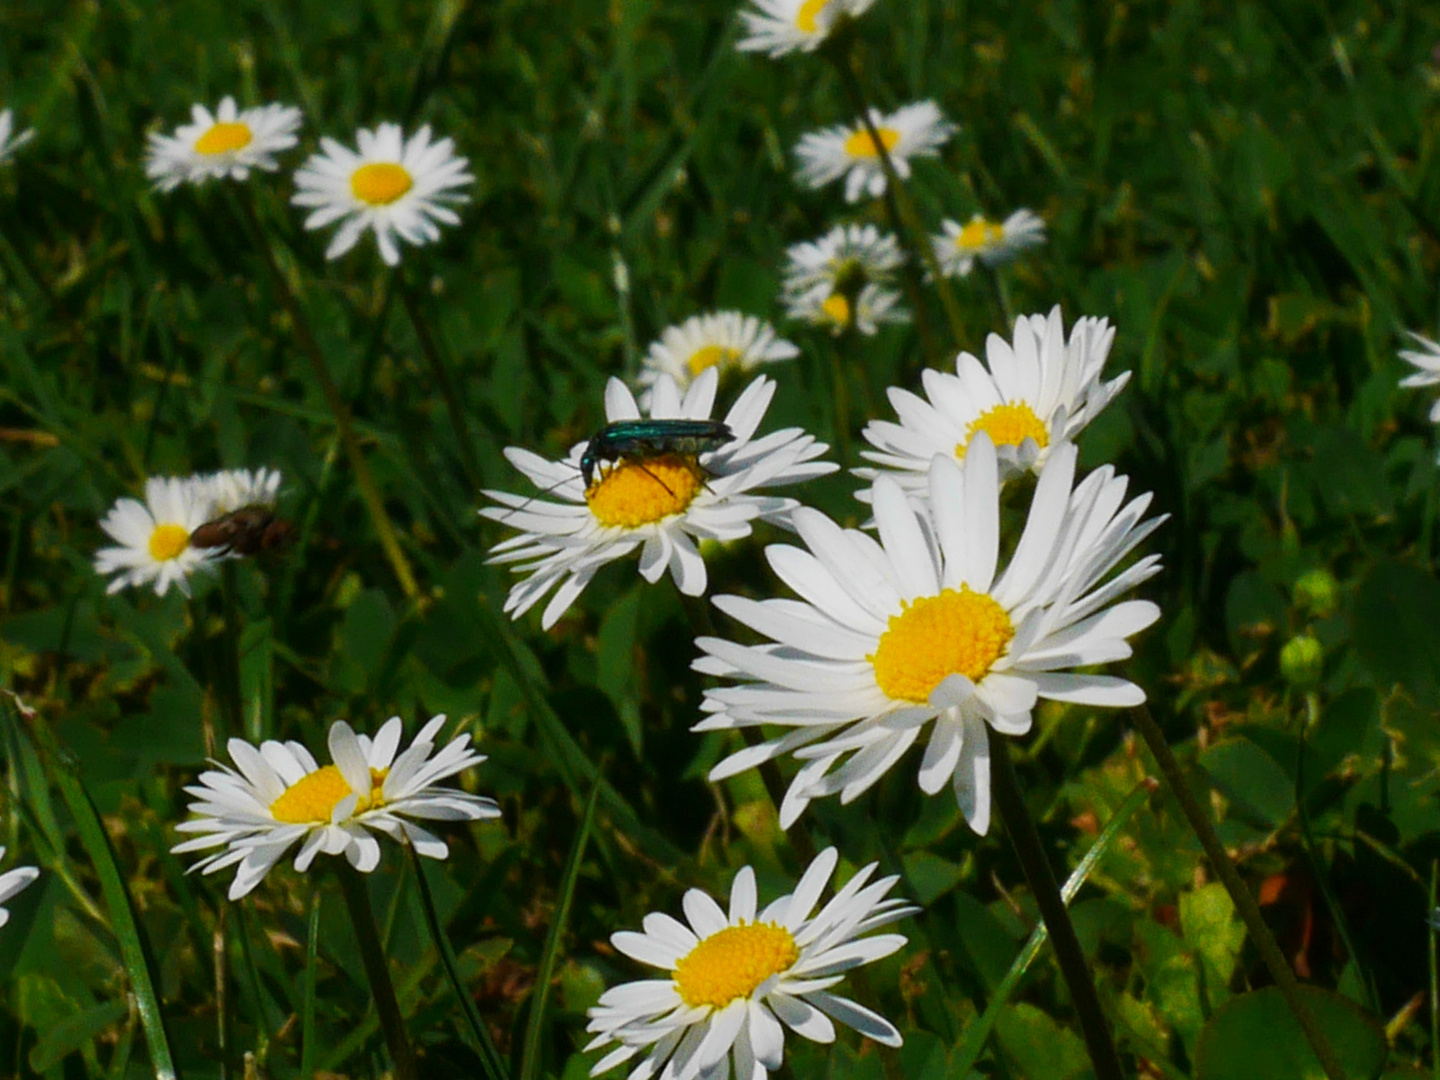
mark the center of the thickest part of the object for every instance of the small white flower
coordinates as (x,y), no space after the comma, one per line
(917,634)
(849,150)
(844,279)
(228,143)
(397,187)
(957,248)
(12,882)
(728,340)
(661,503)
(231,489)
(1427,360)
(779,27)
(1027,397)
(278,795)
(9,142)
(734,977)
(154,536)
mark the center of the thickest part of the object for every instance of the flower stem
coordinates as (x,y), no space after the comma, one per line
(1245,904)
(372,955)
(1041,876)
(369,493)
(903,217)
(440,371)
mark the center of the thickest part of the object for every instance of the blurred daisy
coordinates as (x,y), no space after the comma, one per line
(1426,360)
(661,504)
(277,795)
(10,140)
(228,143)
(395,186)
(734,977)
(727,340)
(958,246)
(1027,397)
(154,536)
(778,27)
(917,635)
(849,150)
(11,883)
(844,279)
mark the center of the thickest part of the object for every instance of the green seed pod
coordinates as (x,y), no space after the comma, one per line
(1302,662)
(1317,592)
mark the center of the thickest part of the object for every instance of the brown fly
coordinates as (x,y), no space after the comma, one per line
(246,531)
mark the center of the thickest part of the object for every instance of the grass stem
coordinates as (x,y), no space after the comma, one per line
(377,970)
(444,381)
(1041,876)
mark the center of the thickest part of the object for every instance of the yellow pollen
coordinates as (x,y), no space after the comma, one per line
(709,356)
(1009,424)
(862,145)
(838,308)
(224,139)
(979,233)
(958,632)
(380,183)
(807,19)
(636,493)
(731,963)
(313,798)
(168,541)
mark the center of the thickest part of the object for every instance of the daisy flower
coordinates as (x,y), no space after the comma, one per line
(733,978)
(396,186)
(154,536)
(993,243)
(844,279)
(227,143)
(849,150)
(778,27)
(277,795)
(728,340)
(1426,359)
(10,142)
(12,882)
(659,503)
(916,634)
(230,489)
(1027,397)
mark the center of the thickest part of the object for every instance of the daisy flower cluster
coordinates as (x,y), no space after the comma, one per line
(181,527)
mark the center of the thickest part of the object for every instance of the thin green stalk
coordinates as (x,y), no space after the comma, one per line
(135,950)
(1434,979)
(490,1057)
(234,707)
(1041,877)
(977,1033)
(530,1064)
(377,970)
(901,212)
(222,1002)
(364,480)
(841,390)
(449,392)
(307,1008)
(1245,903)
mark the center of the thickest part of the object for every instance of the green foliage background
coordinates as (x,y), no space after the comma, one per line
(1248,190)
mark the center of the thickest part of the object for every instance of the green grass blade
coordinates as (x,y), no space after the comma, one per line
(139,965)
(530,1067)
(307,1009)
(978,1032)
(489,1056)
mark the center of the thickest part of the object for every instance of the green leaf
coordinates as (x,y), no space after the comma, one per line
(1396,612)
(615,663)
(929,877)
(1215,933)
(1038,1045)
(1256,786)
(69,1035)
(1255,1035)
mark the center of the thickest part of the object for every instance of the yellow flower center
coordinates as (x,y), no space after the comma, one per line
(224,139)
(838,308)
(709,356)
(168,541)
(313,798)
(958,632)
(1009,424)
(807,19)
(861,145)
(636,493)
(977,234)
(731,963)
(380,183)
